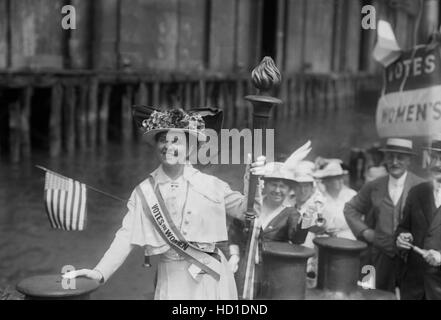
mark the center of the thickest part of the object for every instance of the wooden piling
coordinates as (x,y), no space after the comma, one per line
(301,94)
(55,120)
(222,102)
(329,95)
(323,95)
(309,105)
(202,93)
(104,115)
(188,95)
(126,114)
(156,93)
(163,96)
(81,117)
(334,93)
(14,131)
(180,94)
(25,121)
(142,96)
(92,114)
(69,118)
(210,98)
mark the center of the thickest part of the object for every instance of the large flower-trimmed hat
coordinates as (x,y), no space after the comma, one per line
(153,121)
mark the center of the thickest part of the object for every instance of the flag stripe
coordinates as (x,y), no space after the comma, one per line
(56,197)
(52,201)
(82,207)
(71,207)
(48,210)
(67,206)
(53,209)
(61,206)
(76,205)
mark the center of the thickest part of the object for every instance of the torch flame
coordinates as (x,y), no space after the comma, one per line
(266,75)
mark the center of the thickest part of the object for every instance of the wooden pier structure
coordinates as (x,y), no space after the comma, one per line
(67,90)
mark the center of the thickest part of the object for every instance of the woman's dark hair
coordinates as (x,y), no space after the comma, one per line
(159,134)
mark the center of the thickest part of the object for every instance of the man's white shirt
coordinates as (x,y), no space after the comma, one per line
(396,187)
(437,193)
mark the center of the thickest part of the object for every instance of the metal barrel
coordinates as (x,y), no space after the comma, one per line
(54,287)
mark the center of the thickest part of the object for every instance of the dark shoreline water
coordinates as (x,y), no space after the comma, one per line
(28,246)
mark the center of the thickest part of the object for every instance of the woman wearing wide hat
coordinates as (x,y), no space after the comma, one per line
(179,214)
(336,195)
(276,221)
(309,203)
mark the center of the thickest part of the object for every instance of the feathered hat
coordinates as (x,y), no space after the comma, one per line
(301,170)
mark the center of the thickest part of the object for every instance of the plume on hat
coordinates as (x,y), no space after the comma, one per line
(298,155)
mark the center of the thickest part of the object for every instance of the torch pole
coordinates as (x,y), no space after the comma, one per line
(264,77)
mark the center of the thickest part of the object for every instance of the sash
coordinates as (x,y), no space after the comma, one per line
(155,210)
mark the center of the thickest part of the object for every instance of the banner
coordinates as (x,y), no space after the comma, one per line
(410,104)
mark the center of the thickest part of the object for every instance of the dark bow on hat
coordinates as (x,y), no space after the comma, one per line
(212,117)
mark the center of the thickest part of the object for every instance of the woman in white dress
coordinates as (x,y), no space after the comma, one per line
(336,195)
(276,221)
(178,213)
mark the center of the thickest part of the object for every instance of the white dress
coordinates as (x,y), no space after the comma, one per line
(198,205)
(333,213)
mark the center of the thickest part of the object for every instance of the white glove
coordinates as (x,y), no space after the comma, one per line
(233,263)
(258,167)
(433,258)
(91,274)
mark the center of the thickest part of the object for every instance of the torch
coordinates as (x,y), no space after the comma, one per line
(264,77)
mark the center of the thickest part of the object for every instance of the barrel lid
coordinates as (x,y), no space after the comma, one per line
(340,243)
(285,249)
(50,286)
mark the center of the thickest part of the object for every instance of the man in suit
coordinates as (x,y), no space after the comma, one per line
(375,212)
(421,227)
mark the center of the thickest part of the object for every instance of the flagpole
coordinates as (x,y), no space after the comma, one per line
(89,187)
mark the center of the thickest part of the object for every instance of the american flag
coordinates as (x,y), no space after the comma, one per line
(65,201)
